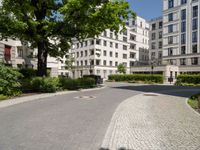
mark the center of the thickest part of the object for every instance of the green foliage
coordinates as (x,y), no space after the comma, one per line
(3,97)
(28,73)
(9,81)
(137,77)
(44,85)
(121,68)
(35,22)
(74,84)
(188,80)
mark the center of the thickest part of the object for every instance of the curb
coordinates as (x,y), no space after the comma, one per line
(186,101)
(14,101)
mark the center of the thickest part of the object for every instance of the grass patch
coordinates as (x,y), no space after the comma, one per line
(193,103)
(3,97)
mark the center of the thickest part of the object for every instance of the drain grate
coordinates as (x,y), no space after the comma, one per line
(150,94)
(85,97)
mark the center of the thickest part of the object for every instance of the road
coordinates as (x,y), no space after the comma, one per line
(67,122)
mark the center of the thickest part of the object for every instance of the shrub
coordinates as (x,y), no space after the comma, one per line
(28,73)
(74,84)
(69,84)
(190,80)
(87,82)
(137,77)
(9,81)
(44,85)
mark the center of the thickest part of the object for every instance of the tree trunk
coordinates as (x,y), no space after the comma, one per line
(42,59)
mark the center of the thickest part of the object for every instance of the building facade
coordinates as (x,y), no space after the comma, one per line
(156,41)
(14,53)
(102,55)
(181,32)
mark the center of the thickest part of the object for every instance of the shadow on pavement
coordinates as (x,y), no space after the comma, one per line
(182,91)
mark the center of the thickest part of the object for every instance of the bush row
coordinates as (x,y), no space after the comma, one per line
(137,77)
(185,79)
(50,85)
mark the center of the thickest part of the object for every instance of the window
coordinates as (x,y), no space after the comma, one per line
(182,61)
(92,42)
(124,47)
(104,53)
(125,32)
(195,11)
(183,2)
(116,55)
(104,62)
(116,63)
(170,51)
(105,33)
(194,24)
(98,41)
(194,61)
(111,35)
(81,53)
(160,44)
(153,36)
(183,14)
(154,26)
(77,54)
(86,53)
(81,44)
(183,50)
(86,43)
(132,55)
(194,48)
(132,46)
(124,56)
(170,17)
(194,37)
(86,63)
(153,45)
(111,54)
(160,35)
(105,43)
(160,25)
(111,44)
(116,45)
(91,52)
(98,62)
(170,3)
(170,28)
(183,26)
(183,38)
(170,40)
(125,39)
(111,63)
(19,52)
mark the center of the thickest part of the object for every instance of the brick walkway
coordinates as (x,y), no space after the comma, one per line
(161,122)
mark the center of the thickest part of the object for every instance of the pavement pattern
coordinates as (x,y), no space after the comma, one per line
(154,122)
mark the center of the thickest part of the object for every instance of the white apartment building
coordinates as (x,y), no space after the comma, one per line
(156,41)
(18,55)
(181,34)
(103,54)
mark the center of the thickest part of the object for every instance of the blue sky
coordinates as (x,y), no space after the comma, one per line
(147,9)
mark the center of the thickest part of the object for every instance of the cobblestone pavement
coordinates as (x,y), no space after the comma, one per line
(161,122)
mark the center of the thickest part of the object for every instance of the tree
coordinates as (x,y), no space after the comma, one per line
(121,68)
(50,25)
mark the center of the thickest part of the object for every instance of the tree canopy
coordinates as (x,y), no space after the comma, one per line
(121,68)
(50,25)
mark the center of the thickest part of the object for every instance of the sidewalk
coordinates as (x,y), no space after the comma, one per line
(153,122)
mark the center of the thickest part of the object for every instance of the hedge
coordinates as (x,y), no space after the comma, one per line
(137,77)
(186,79)
(74,84)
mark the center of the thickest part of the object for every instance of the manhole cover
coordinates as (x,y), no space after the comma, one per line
(150,94)
(85,97)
